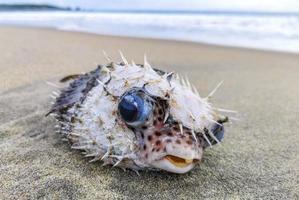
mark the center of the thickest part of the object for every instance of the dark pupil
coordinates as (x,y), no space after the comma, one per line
(128,108)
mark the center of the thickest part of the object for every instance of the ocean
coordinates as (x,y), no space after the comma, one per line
(278,32)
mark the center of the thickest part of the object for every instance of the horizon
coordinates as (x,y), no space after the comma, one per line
(268,6)
(131,10)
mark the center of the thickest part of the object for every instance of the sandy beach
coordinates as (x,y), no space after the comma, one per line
(259,157)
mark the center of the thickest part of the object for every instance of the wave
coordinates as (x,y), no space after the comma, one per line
(273,32)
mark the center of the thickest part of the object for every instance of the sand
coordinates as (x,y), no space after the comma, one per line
(259,157)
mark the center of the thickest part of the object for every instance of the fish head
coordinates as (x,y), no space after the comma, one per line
(172,124)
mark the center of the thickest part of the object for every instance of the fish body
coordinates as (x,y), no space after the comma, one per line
(137,117)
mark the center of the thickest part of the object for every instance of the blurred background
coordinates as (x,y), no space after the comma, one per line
(267,24)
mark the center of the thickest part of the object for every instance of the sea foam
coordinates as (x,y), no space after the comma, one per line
(263,31)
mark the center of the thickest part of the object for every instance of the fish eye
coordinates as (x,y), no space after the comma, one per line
(133,109)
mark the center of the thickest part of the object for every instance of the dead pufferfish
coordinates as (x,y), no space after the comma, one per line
(137,117)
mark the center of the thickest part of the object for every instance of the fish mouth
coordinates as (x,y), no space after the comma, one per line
(175,164)
(180,162)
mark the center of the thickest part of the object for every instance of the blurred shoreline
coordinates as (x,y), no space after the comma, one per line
(18,60)
(275,32)
(187,42)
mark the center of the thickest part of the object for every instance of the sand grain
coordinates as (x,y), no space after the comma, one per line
(258,159)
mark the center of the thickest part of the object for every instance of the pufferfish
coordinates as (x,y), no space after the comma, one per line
(135,116)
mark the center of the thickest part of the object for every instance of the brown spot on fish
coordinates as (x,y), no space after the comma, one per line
(176,128)
(189,142)
(157,133)
(160,111)
(178,141)
(169,133)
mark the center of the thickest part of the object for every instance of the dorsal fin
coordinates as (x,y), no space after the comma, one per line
(69,77)
(76,91)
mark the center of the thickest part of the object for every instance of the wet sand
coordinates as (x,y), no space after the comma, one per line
(259,157)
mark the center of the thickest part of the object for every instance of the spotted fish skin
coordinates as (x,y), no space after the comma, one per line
(179,125)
